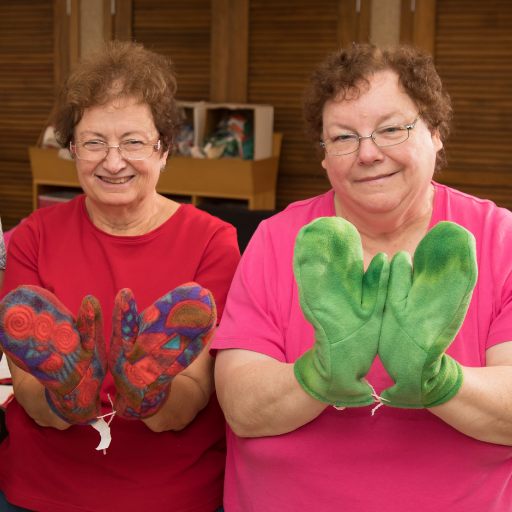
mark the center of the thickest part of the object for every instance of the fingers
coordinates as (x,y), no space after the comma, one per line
(446,258)
(328,267)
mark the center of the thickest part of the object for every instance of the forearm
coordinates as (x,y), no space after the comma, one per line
(30,394)
(262,397)
(185,399)
(188,393)
(482,409)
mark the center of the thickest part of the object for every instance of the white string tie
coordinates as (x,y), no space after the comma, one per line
(377,398)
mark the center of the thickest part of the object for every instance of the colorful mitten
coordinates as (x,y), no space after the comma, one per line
(148,350)
(424,311)
(67,356)
(344,305)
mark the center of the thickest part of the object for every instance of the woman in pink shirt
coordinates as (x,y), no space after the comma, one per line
(415,425)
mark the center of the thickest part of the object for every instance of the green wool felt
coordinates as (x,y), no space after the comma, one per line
(344,304)
(424,311)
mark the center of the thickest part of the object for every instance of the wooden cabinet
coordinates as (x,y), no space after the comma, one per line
(197,179)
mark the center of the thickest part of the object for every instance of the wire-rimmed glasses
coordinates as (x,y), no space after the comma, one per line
(96,150)
(384,136)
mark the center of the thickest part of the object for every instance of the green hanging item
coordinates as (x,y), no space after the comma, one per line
(345,306)
(424,312)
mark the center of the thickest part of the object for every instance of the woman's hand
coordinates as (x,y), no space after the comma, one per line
(149,350)
(424,311)
(67,356)
(345,306)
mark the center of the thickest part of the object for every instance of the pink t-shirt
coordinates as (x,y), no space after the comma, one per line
(398,459)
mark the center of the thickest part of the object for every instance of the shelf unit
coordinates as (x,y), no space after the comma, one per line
(198,179)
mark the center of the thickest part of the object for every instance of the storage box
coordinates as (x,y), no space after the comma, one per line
(194,115)
(263,120)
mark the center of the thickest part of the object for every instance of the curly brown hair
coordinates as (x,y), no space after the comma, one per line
(349,69)
(119,69)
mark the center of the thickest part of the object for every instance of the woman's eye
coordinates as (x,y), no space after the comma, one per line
(94,144)
(342,138)
(390,130)
(133,143)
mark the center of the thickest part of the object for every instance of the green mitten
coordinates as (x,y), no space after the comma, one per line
(424,311)
(344,305)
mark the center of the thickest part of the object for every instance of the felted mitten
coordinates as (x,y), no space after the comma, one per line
(344,304)
(148,350)
(424,311)
(66,355)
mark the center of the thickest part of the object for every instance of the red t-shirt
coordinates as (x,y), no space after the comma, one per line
(60,249)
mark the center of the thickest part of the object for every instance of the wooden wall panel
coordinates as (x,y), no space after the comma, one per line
(26,89)
(474,58)
(180,30)
(287,39)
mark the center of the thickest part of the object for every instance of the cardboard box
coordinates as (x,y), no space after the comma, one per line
(194,115)
(263,120)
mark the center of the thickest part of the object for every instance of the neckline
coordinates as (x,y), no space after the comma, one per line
(129,238)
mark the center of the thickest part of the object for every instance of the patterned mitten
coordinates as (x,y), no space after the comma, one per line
(344,304)
(424,311)
(148,350)
(66,355)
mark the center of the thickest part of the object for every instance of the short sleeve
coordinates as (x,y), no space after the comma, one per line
(218,265)
(251,320)
(22,263)
(2,248)
(500,330)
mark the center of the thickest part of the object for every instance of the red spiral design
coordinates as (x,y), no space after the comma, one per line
(88,391)
(44,325)
(53,363)
(133,377)
(65,338)
(151,314)
(18,321)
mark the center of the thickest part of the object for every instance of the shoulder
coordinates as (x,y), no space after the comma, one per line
(298,214)
(198,219)
(475,214)
(273,242)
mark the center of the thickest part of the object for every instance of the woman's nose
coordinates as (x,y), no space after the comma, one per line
(369,152)
(114,162)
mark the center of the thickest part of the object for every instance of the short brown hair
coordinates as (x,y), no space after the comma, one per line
(120,69)
(349,69)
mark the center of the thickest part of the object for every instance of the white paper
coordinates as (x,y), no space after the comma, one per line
(103,428)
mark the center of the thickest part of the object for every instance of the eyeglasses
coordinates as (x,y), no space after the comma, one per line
(385,136)
(96,150)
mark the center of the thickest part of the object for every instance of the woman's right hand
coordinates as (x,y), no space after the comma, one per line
(345,306)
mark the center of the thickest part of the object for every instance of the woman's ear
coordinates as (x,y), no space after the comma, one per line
(436,141)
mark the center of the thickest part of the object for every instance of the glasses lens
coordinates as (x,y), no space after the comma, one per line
(391,135)
(341,144)
(136,149)
(93,150)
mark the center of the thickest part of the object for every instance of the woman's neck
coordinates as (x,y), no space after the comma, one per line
(133,219)
(390,232)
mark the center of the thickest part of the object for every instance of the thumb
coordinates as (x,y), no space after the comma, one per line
(125,326)
(375,283)
(400,280)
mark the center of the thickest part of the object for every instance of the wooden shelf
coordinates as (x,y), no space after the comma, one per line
(225,178)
